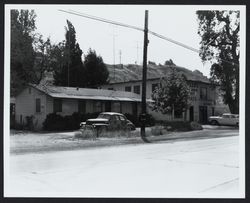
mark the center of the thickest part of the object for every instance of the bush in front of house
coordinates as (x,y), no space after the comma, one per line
(150,121)
(53,122)
(158,130)
(56,122)
(180,125)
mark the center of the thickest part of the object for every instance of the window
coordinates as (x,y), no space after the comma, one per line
(203,93)
(29,90)
(193,94)
(122,118)
(154,86)
(137,89)
(128,89)
(110,88)
(38,105)
(97,106)
(82,106)
(57,105)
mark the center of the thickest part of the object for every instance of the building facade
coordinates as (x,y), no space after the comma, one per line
(39,101)
(202,102)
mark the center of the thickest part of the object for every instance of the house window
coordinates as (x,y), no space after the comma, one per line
(97,106)
(29,90)
(137,89)
(57,105)
(82,106)
(128,89)
(38,105)
(203,93)
(154,86)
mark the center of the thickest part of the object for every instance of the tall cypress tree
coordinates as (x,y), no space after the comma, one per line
(72,71)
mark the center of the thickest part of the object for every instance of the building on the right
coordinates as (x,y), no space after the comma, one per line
(205,97)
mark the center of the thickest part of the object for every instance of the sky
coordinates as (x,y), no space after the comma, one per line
(123,45)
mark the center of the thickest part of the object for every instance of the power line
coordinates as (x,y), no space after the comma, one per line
(140,29)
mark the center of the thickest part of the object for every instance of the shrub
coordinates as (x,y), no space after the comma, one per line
(54,122)
(84,134)
(150,121)
(181,125)
(134,119)
(158,130)
(195,126)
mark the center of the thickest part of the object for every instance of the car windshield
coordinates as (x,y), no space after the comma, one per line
(107,116)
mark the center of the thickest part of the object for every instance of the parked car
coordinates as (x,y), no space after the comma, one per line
(108,121)
(225,119)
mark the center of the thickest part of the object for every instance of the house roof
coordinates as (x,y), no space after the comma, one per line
(132,72)
(87,93)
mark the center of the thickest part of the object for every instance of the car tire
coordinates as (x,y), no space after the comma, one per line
(214,122)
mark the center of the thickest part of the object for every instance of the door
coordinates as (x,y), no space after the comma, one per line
(203,114)
(191,113)
(108,106)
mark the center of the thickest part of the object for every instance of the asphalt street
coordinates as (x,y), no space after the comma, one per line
(187,168)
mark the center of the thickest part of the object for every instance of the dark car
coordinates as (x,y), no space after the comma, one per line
(109,121)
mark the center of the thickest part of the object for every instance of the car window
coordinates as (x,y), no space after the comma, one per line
(107,116)
(117,118)
(122,118)
(226,116)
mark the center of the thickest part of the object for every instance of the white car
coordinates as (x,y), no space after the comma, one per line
(225,119)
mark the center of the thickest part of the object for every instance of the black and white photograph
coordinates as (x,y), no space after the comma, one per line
(124,101)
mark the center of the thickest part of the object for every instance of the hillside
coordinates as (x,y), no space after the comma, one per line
(132,72)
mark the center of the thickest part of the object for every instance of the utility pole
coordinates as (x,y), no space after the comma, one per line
(144,79)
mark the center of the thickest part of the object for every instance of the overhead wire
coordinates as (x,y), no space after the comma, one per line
(139,29)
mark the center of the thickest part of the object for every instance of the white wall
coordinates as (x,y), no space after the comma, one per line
(26,106)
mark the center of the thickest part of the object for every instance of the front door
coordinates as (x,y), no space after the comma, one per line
(203,114)
(191,113)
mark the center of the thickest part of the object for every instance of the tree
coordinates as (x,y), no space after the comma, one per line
(96,71)
(44,58)
(172,94)
(71,71)
(169,62)
(219,31)
(22,53)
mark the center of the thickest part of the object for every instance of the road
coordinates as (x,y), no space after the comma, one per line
(186,168)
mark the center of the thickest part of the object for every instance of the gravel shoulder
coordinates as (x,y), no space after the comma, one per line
(22,142)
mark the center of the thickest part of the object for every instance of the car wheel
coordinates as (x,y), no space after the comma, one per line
(214,122)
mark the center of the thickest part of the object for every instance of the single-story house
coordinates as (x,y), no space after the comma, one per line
(39,101)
